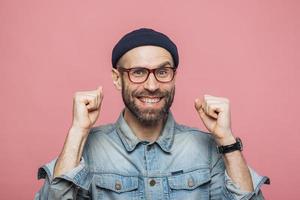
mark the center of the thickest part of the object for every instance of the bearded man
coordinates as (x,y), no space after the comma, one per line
(146,154)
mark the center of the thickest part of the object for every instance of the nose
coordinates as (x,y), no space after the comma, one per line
(151,83)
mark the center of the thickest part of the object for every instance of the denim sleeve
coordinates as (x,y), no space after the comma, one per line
(66,186)
(222,186)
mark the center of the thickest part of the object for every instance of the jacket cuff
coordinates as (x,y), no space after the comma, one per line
(238,194)
(77,175)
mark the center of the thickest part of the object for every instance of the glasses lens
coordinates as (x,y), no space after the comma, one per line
(138,74)
(164,74)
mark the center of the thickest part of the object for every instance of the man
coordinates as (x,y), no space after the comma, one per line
(146,154)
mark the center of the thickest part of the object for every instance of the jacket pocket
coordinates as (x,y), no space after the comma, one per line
(190,185)
(114,186)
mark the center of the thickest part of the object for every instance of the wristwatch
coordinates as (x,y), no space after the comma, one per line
(238,145)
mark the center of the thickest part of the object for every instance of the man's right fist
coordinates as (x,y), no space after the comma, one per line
(86,108)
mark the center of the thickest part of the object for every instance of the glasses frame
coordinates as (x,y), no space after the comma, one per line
(122,69)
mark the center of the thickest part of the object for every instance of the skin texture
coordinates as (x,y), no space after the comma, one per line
(86,109)
(147,120)
(215,115)
(147,116)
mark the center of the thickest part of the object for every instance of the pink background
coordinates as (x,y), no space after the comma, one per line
(247,51)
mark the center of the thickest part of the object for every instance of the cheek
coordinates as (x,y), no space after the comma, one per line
(130,91)
(168,88)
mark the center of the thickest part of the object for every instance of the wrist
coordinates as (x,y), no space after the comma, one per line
(230,139)
(75,142)
(78,132)
(225,149)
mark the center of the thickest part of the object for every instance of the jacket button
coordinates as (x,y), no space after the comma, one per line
(118,185)
(149,147)
(191,182)
(152,182)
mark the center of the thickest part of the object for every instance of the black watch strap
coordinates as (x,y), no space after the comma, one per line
(238,145)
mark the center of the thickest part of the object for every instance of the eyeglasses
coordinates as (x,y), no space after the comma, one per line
(141,74)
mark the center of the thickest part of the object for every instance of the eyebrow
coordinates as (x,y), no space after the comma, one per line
(160,65)
(164,64)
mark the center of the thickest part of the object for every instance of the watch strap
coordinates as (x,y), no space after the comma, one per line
(231,147)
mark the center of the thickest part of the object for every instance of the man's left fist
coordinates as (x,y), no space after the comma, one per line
(215,114)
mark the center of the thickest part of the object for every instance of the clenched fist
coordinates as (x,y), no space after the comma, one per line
(215,114)
(86,108)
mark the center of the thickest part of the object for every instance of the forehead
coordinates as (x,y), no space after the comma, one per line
(146,56)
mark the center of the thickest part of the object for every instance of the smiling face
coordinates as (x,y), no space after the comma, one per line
(150,101)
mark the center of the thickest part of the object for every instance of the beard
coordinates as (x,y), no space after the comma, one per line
(149,116)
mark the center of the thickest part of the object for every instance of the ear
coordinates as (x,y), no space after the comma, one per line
(116,76)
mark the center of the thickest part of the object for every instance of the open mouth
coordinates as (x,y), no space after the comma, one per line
(150,100)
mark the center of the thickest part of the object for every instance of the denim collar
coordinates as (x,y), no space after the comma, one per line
(130,141)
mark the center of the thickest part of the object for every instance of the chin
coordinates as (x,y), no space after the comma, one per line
(151,116)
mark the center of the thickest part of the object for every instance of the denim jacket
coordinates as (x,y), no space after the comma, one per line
(182,164)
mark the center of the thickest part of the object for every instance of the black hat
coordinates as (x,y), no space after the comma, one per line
(142,37)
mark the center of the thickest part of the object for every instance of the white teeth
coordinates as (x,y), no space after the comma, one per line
(150,100)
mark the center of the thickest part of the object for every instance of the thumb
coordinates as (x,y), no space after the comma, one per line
(198,104)
(99,89)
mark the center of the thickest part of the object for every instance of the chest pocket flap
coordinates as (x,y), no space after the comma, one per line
(116,183)
(189,180)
